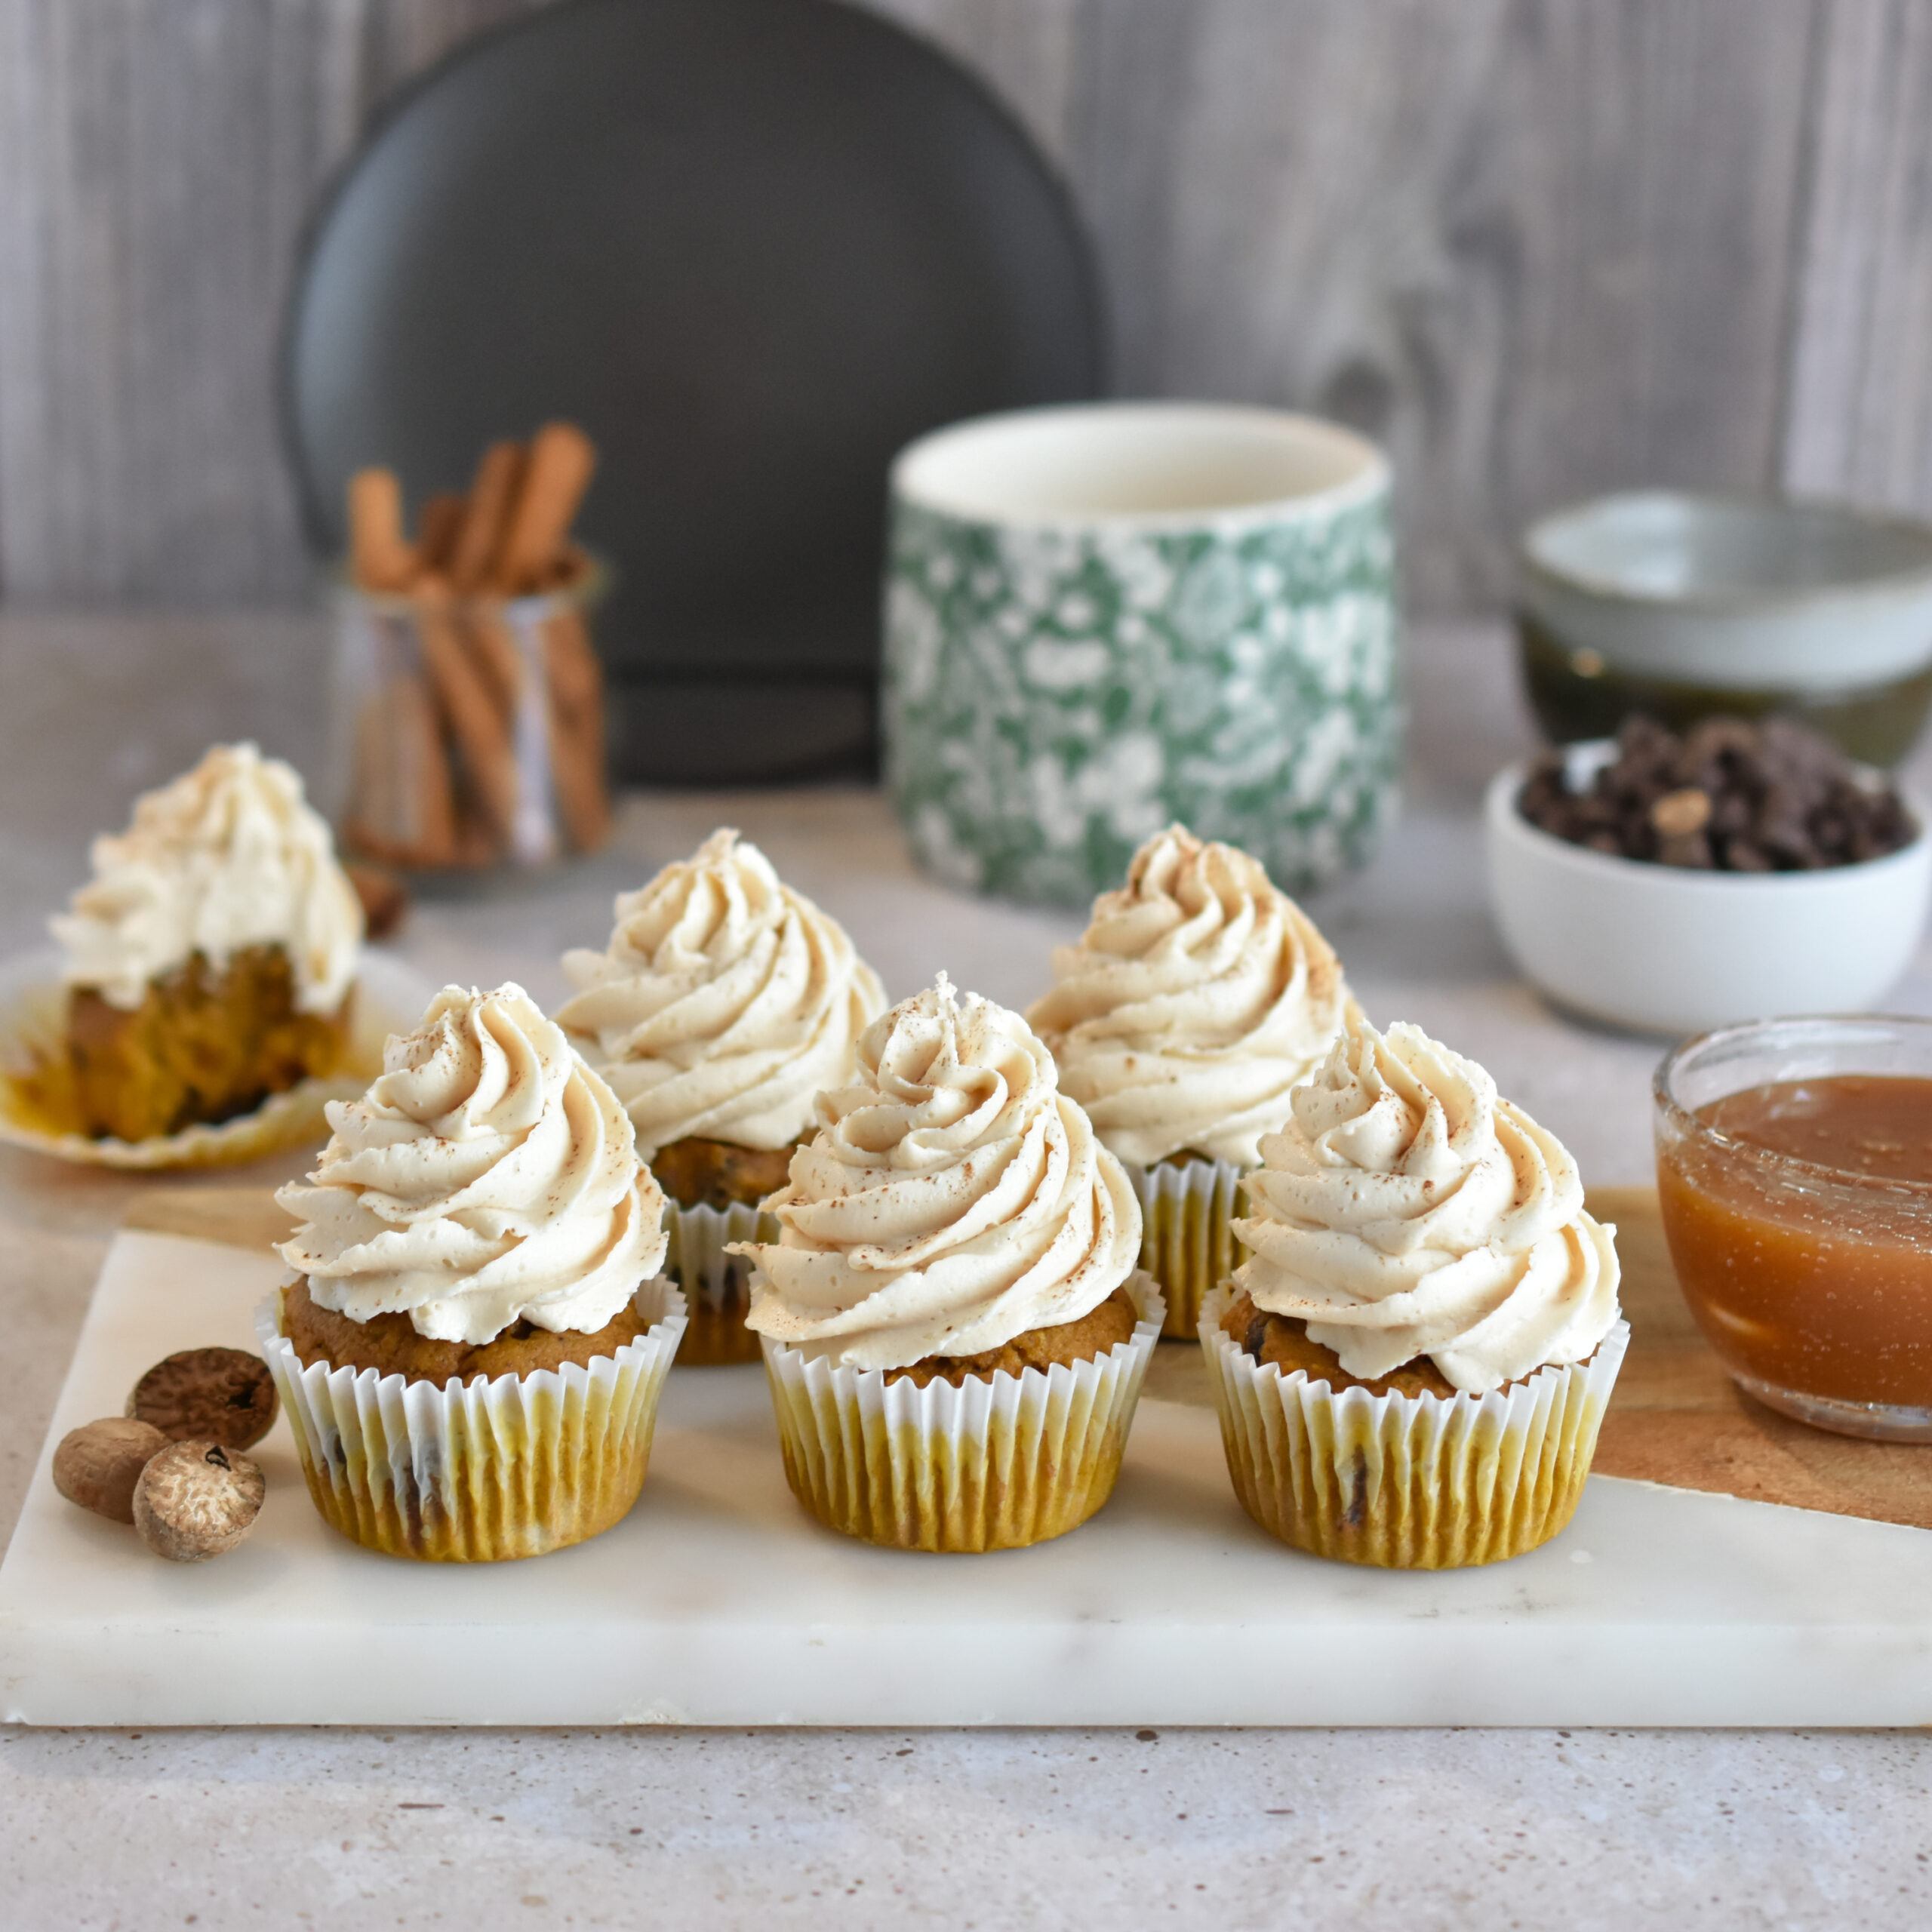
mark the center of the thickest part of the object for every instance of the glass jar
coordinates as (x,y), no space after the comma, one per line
(1811,1281)
(469,732)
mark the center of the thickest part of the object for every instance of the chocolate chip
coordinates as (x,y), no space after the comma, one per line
(1728,795)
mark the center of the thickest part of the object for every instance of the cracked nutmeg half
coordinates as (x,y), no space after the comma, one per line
(196,1499)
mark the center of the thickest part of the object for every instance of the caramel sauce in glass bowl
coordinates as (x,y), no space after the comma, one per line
(1794,1177)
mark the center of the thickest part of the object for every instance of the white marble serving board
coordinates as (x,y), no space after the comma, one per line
(718,1602)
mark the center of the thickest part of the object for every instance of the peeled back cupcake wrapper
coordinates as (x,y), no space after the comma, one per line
(1187,1242)
(33,1027)
(717,1285)
(1407,1482)
(994,1463)
(508,1466)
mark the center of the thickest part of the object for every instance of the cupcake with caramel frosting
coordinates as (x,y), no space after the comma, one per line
(1412,1367)
(476,1267)
(724,1001)
(955,1326)
(1196,999)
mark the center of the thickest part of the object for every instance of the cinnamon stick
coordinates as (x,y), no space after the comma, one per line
(576,683)
(479,727)
(430,825)
(558,472)
(403,812)
(496,655)
(493,496)
(438,529)
(380,559)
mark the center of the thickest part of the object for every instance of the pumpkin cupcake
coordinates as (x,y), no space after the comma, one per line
(724,1001)
(211,962)
(474,1339)
(954,1326)
(1197,997)
(1411,1370)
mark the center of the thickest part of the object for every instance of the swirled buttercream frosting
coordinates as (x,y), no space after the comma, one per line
(1406,1210)
(953,1199)
(1198,996)
(227,856)
(724,1002)
(487,1177)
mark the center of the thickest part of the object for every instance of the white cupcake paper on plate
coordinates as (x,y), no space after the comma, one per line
(389,998)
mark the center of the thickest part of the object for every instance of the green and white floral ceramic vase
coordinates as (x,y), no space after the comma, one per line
(1103,617)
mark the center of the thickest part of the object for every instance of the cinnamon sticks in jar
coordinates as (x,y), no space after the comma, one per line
(477,699)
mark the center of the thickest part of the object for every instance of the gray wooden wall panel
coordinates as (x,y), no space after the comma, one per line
(1539,246)
(159,155)
(1536,248)
(1860,388)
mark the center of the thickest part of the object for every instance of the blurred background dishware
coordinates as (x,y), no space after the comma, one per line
(1809,1274)
(1102,617)
(1679,606)
(1669,950)
(753,247)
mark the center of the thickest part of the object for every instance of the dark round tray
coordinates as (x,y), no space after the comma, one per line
(754,247)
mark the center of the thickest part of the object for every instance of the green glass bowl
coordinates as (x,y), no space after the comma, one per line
(1684,606)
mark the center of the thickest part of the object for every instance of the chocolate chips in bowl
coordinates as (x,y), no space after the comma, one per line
(1728,795)
(1671,884)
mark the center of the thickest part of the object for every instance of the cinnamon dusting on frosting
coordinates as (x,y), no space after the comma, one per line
(1406,1211)
(486,1176)
(952,1199)
(724,1001)
(1197,997)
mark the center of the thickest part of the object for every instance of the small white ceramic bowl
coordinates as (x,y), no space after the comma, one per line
(1667,950)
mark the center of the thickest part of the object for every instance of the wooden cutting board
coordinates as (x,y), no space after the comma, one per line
(1676,1417)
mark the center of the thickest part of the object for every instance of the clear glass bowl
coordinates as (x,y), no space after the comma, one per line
(1812,1284)
(469,733)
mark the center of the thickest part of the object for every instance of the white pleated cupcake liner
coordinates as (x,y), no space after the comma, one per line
(993,1463)
(1187,1240)
(717,1285)
(505,1466)
(1414,1482)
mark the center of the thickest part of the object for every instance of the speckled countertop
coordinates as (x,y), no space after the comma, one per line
(1418,1829)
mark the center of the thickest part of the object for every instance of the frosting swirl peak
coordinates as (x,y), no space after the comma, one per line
(486,1176)
(227,856)
(1198,996)
(723,1003)
(1406,1210)
(953,1197)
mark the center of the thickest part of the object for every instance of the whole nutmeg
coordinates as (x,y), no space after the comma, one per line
(196,1499)
(224,1395)
(98,1464)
